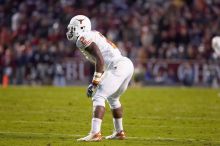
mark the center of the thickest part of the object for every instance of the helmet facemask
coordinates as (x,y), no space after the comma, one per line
(72,34)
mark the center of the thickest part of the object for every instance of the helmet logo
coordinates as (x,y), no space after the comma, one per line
(80,20)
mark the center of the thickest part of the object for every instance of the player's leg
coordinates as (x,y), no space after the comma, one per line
(114,100)
(98,114)
(106,88)
(117,112)
(115,105)
(117,119)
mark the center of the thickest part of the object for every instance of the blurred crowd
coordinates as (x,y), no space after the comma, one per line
(33,44)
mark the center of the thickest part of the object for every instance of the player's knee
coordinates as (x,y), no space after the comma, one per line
(114,103)
(98,101)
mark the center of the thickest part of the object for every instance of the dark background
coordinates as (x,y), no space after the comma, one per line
(34,49)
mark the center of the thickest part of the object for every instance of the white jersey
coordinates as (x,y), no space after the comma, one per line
(108,50)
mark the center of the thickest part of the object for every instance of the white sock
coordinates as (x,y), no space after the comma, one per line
(96,125)
(118,124)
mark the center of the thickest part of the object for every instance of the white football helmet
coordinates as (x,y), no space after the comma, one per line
(216,44)
(78,24)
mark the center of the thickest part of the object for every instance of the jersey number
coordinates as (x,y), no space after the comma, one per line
(108,41)
(84,41)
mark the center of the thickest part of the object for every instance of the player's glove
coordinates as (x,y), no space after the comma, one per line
(95,82)
(91,90)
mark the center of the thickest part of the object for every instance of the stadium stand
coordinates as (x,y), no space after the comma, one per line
(168,40)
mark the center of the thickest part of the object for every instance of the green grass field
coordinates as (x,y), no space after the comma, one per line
(49,116)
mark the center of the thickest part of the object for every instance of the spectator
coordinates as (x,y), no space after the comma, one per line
(160,29)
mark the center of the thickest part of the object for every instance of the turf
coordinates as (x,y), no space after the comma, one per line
(50,116)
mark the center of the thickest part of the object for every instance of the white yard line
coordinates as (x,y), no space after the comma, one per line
(154,117)
(177,118)
(40,134)
(126,125)
(131,137)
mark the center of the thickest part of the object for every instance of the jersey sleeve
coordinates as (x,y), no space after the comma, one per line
(84,40)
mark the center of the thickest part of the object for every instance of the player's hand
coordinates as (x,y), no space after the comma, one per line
(91,90)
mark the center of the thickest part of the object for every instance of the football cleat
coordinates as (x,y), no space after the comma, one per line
(92,137)
(116,135)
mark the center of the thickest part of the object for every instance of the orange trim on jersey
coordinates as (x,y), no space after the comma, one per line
(84,41)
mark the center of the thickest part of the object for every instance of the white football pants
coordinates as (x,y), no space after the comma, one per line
(115,81)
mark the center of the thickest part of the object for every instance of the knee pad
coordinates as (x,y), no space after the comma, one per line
(114,102)
(98,101)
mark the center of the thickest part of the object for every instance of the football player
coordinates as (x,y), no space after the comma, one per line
(216,45)
(112,75)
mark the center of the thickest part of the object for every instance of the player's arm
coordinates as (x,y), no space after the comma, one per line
(99,66)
